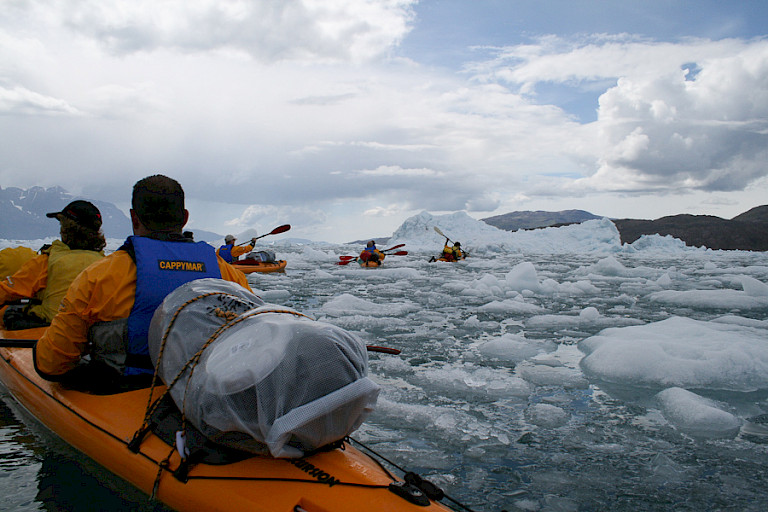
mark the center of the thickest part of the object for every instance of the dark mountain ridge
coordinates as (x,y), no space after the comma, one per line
(22,215)
(704,230)
(746,232)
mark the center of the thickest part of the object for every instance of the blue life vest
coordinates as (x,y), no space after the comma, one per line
(161,267)
(225,251)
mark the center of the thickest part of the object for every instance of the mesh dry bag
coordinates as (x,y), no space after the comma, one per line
(256,376)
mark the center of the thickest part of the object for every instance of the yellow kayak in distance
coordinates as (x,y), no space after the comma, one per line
(259,266)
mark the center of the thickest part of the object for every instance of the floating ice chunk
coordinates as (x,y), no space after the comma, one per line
(510,306)
(582,287)
(469,379)
(658,243)
(753,287)
(379,273)
(740,320)
(347,304)
(472,322)
(522,277)
(511,347)
(715,299)
(546,415)
(679,352)
(609,266)
(589,314)
(588,317)
(275,295)
(311,254)
(696,415)
(322,275)
(544,375)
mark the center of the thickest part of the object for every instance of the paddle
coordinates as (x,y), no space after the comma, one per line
(399,253)
(437,230)
(28,343)
(16,343)
(383,350)
(277,230)
(21,343)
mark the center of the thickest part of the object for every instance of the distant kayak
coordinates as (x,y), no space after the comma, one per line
(248,267)
(341,479)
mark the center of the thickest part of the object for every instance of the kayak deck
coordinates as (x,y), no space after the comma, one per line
(101,426)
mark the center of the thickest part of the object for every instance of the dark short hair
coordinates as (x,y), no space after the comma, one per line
(159,203)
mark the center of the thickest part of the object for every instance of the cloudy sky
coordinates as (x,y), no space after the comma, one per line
(345,117)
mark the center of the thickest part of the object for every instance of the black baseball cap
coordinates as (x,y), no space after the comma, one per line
(82,212)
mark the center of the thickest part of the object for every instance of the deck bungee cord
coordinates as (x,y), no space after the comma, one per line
(431,490)
(231,319)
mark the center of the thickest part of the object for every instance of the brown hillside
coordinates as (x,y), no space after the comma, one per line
(703,230)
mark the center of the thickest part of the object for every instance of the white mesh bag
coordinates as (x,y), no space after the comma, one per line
(268,379)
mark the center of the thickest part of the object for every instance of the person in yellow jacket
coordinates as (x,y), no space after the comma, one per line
(230,252)
(107,309)
(45,278)
(456,251)
(12,258)
(450,253)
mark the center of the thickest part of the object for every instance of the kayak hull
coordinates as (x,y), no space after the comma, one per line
(101,426)
(248,268)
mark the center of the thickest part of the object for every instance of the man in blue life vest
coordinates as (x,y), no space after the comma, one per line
(230,252)
(107,310)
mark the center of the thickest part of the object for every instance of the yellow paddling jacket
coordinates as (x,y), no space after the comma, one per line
(12,258)
(46,277)
(64,264)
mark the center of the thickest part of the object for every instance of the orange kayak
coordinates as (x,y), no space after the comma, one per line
(343,479)
(247,268)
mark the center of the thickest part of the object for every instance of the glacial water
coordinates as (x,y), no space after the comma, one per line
(490,398)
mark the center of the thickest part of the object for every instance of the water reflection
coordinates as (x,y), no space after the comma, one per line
(39,472)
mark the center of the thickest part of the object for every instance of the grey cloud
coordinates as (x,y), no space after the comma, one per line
(22,101)
(266,30)
(324,100)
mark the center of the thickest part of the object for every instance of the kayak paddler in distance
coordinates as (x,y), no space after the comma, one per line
(450,252)
(230,252)
(371,256)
